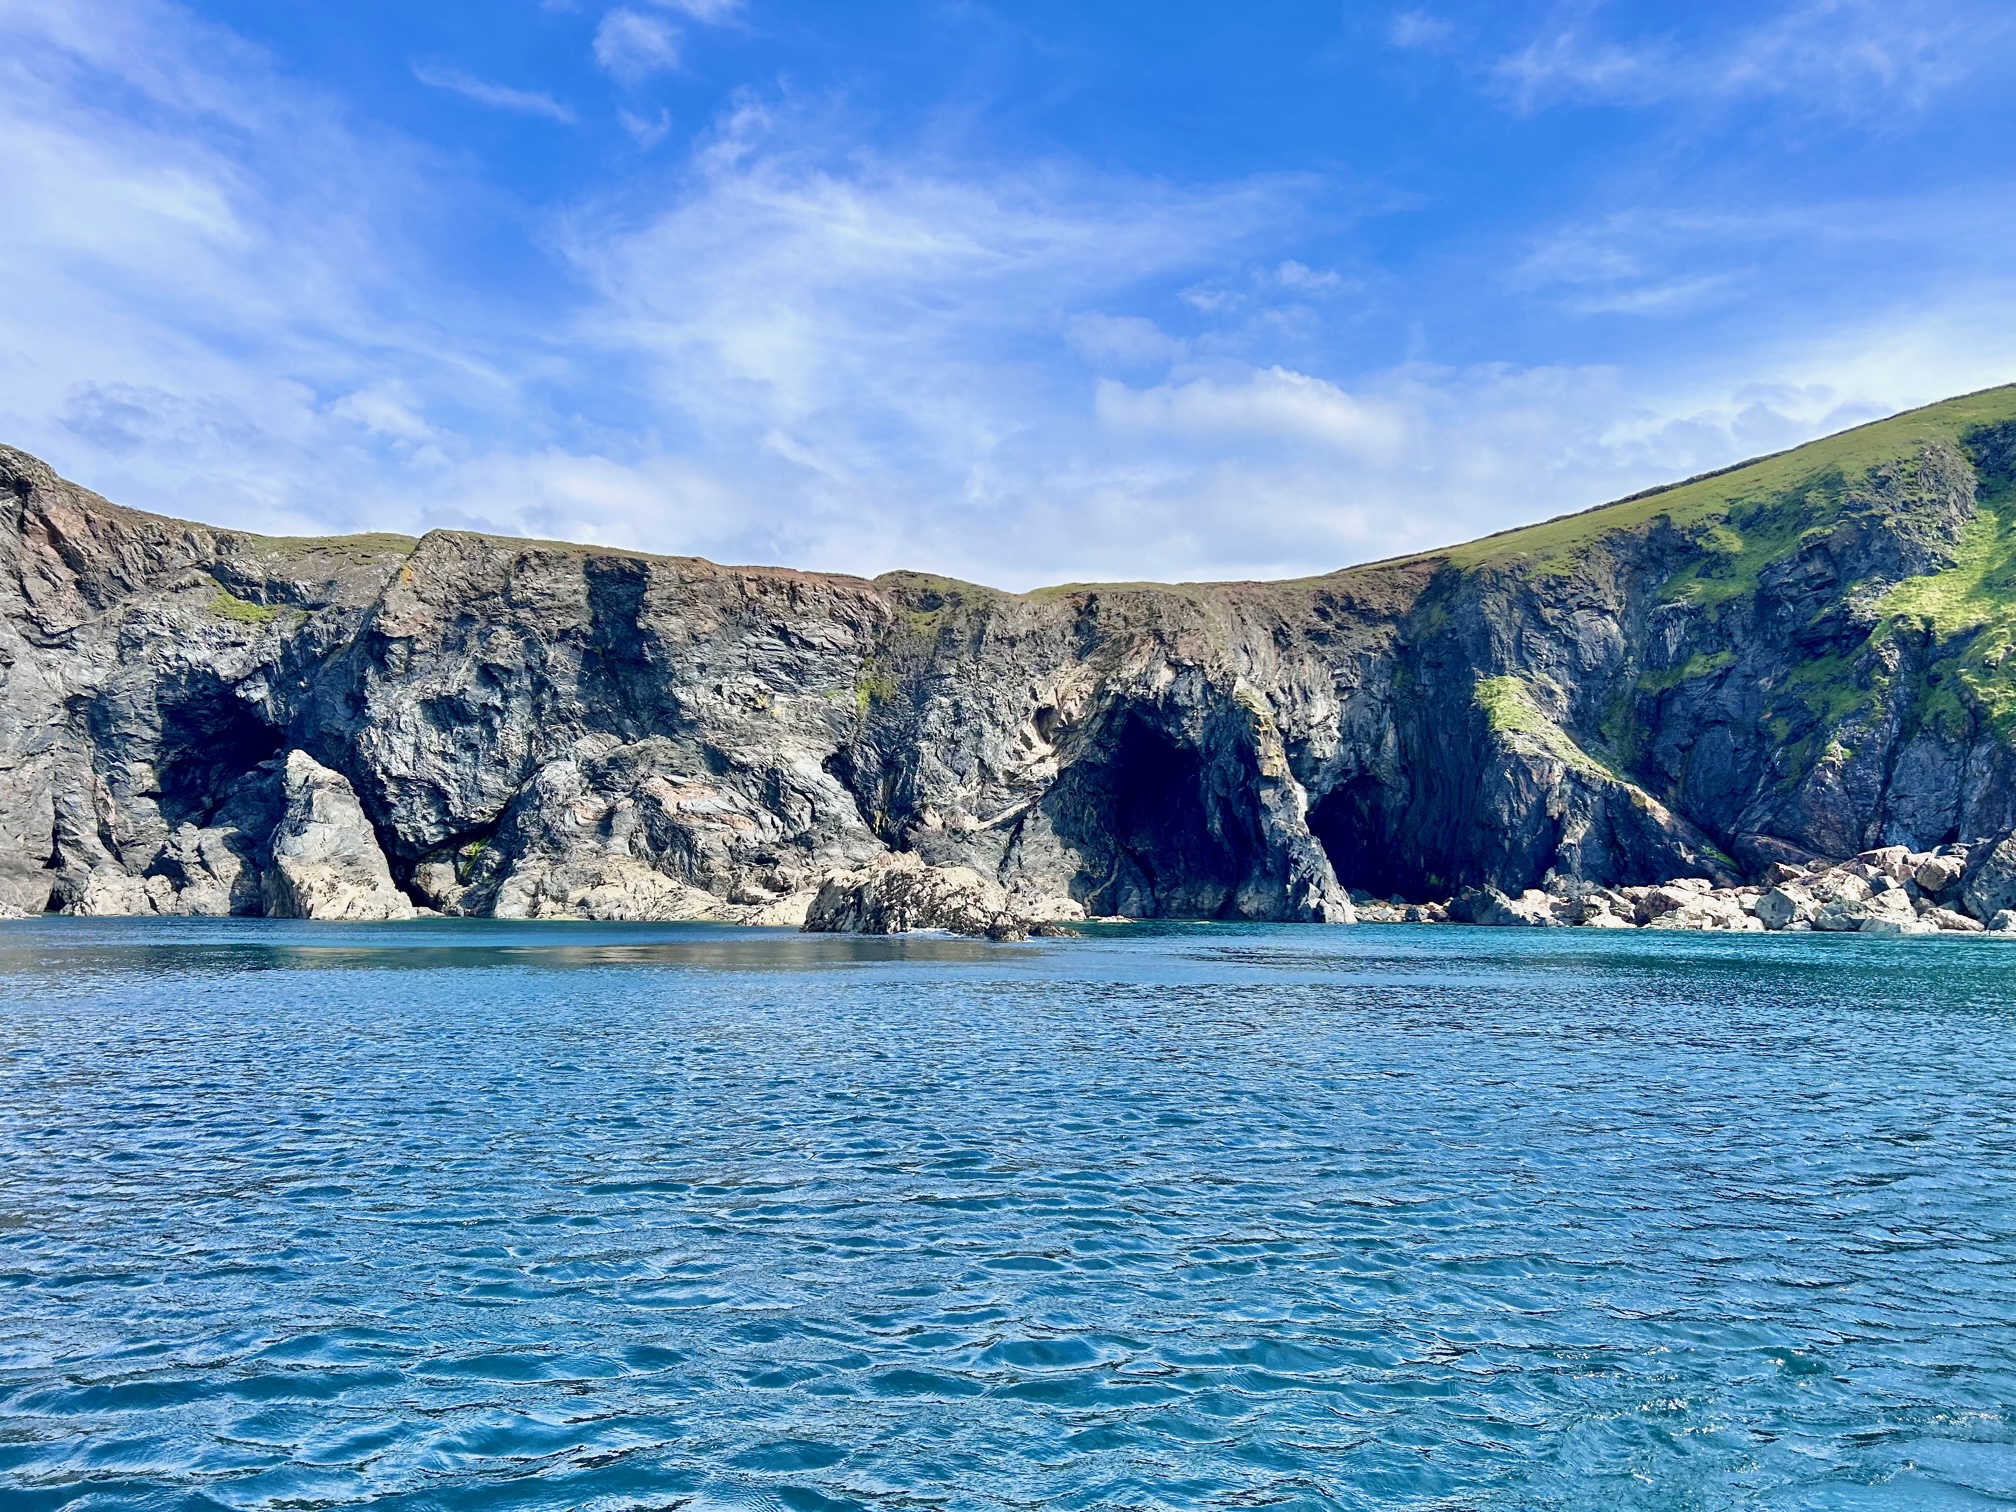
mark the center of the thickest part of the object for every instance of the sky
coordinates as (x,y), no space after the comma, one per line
(1021,293)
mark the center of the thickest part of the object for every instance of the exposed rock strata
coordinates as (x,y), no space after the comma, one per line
(1790,662)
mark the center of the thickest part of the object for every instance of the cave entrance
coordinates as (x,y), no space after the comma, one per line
(1351,823)
(209,741)
(1156,836)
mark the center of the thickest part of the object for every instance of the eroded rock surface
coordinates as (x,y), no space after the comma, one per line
(326,861)
(1743,678)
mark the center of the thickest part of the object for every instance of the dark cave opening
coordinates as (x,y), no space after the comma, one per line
(1156,840)
(1350,822)
(209,743)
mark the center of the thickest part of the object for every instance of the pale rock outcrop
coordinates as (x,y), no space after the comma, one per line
(1937,873)
(608,889)
(1532,909)
(1952,921)
(898,893)
(1785,905)
(326,859)
(1708,910)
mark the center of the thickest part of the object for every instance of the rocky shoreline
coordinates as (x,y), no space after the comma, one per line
(1766,698)
(1957,889)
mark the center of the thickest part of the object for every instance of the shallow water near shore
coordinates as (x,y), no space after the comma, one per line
(467,1215)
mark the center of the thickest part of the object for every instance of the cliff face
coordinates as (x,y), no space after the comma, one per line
(1803,656)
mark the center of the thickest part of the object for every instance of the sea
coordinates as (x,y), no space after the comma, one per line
(462,1215)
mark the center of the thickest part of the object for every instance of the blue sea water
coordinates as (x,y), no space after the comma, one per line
(474,1215)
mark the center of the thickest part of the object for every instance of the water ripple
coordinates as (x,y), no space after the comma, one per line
(484,1216)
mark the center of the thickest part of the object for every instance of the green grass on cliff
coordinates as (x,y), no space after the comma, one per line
(227,605)
(1738,500)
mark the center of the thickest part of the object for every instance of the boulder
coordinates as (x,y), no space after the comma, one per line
(1604,919)
(1938,873)
(326,860)
(1989,885)
(1839,886)
(1848,915)
(1532,909)
(2004,922)
(1893,861)
(1786,904)
(894,894)
(1708,911)
(1892,925)
(1952,921)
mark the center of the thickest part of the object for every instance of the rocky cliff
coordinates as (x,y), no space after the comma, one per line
(1805,656)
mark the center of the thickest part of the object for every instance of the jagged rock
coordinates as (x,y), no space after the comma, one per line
(1711,910)
(1892,861)
(1989,884)
(326,860)
(552,728)
(897,893)
(1787,904)
(2004,922)
(1937,873)
(1532,909)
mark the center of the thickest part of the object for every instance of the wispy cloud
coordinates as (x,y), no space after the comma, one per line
(1856,57)
(708,12)
(632,45)
(789,347)
(496,96)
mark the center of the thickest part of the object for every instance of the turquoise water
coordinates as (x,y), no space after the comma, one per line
(468,1215)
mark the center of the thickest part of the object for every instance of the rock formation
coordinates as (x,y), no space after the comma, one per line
(326,863)
(897,893)
(1786,664)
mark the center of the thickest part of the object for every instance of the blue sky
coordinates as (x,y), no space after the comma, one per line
(1022,293)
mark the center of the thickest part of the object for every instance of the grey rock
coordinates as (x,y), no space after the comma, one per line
(1937,873)
(1786,904)
(1989,883)
(544,730)
(326,860)
(1891,925)
(898,893)
(1951,921)
(1532,909)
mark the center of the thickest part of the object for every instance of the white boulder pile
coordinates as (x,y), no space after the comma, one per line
(897,893)
(1891,891)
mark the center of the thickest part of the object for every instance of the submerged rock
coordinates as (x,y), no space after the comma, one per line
(326,860)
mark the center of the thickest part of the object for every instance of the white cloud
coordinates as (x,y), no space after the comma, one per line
(788,349)
(1857,57)
(632,46)
(496,96)
(647,132)
(708,12)
(1274,404)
